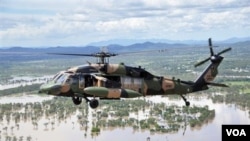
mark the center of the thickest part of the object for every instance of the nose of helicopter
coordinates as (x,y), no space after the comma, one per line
(49,88)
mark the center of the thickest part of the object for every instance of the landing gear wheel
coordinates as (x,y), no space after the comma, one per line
(93,103)
(77,100)
(185,100)
(187,103)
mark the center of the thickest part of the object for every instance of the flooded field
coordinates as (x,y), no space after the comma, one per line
(48,127)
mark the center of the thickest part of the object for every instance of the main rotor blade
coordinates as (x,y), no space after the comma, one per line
(146,51)
(72,54)
(210,46)
(202,62)
(224,51)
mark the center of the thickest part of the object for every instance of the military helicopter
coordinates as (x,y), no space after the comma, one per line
(114,81)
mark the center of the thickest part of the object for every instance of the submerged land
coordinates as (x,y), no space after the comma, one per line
(23,70)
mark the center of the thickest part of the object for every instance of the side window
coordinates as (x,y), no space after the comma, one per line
(81,82)
(131,83)
(75,79)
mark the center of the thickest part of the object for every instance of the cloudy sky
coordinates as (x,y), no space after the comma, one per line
(37,23)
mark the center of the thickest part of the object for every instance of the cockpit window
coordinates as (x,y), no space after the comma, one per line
(61,78)
(56,76)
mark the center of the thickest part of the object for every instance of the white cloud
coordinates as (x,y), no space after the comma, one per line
(79,22)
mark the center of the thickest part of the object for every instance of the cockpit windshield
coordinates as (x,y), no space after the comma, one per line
(61,78)
(57,75)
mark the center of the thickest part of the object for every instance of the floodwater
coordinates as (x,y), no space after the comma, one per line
(18,81)
(67,130)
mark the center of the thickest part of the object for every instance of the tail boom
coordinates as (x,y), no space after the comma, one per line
(207,76)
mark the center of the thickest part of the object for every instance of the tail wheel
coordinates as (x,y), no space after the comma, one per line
(185,100)
(187,103)
(93,103)
(77,100)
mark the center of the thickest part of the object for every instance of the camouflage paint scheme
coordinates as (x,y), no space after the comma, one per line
(114,81)
(121,81)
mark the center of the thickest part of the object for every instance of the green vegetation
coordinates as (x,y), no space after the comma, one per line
(173,117)
(243,86)
(238,93)
(95,130)
(20,89)
(242,100)
(59,110)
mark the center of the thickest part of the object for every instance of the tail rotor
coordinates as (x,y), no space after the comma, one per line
(213,57)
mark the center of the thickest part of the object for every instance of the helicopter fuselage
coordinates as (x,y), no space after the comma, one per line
(112,81)
(115,81)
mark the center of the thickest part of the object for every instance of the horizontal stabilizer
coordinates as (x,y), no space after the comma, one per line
(217,84)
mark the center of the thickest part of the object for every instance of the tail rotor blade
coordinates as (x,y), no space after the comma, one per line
(210,46)
(224,51)
(201,62)
(210,42)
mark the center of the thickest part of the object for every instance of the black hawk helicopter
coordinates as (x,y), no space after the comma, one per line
(114,81)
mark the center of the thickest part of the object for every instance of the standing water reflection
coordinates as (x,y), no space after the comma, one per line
(59,119)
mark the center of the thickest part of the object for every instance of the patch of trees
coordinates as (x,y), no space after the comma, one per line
(242,100)
(158,116)
(20,89)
